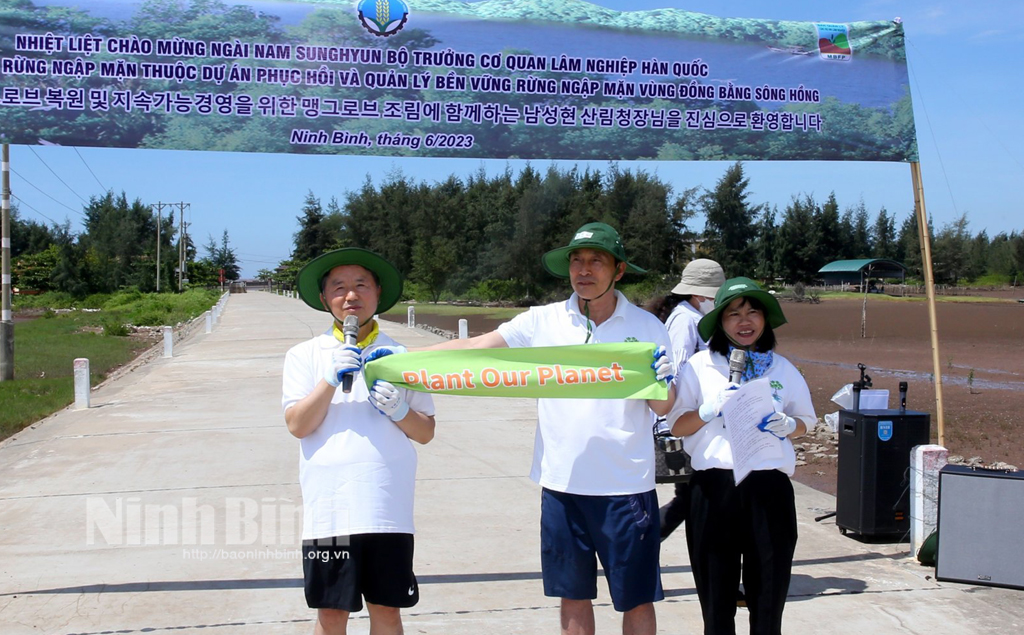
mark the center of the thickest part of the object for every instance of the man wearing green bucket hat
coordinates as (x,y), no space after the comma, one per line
(357,465)
(753,521)
(594,458)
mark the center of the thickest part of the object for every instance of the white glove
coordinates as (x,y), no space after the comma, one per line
(388,400)
(384,351)
(662,366)
(778,423)
(711,409)
(344,361)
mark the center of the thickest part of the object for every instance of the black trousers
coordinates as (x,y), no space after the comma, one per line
(755,522)
(674,512)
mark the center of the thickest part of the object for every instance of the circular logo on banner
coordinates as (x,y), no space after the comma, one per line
(383,17)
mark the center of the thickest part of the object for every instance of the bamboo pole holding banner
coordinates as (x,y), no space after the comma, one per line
(929,285)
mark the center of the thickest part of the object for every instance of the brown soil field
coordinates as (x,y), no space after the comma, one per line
(981,352)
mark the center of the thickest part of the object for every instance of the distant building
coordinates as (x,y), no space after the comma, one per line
(859,272)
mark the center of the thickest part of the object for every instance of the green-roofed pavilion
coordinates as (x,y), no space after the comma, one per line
(856,271)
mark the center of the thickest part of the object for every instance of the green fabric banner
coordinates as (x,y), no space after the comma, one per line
(591,371)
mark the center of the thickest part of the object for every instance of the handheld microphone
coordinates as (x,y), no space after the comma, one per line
(737,362)
(350,329)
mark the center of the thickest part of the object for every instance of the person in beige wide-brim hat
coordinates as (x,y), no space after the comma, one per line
(681,311)
(701,277)
(689,301)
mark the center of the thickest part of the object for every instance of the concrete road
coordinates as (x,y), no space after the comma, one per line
(172,505)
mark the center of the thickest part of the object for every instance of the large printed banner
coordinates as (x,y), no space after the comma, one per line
(532,78)
(594,371)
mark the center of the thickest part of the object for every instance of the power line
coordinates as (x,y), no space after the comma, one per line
(45,194)
(55,174)
(938,152)
(952,88)
(262,262)
(88,168)
(22,202)
(243,253)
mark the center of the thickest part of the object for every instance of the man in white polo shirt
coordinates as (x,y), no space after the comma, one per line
(357,463)
(594,457)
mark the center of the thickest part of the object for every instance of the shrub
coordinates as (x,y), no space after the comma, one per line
(640,292)
(496,291)
(94,301)
(114,328)
(150,318)
(48,300)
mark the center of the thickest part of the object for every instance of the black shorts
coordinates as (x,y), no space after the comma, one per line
(339,572)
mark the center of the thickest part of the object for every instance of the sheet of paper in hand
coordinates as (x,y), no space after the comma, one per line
(743,412)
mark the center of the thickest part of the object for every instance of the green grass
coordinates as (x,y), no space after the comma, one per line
(140,309)
(845,295)
(498,313)
(45,348)
(992,280)
(44,354)
(24,401)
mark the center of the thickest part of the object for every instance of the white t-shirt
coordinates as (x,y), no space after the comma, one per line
(705,375)
(595,447)
(682,330)
(358,469)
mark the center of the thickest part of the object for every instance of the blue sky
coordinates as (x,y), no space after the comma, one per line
(965,83)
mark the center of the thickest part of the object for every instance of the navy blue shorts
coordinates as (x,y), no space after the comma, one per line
(621,531)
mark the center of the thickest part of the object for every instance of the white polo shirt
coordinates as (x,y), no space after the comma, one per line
(358,469)
(595,447)
(705,375)
(682,330)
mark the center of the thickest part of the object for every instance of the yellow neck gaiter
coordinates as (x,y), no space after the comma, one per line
(370,339)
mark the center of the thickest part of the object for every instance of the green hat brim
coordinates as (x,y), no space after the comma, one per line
(310,276)
(773,311)
(556,261)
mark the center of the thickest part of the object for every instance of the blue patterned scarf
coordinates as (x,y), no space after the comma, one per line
(757,363)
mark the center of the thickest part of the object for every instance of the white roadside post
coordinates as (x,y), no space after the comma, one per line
(81,383)
(463,329)
(209,321)
(412,317)
(168,341)
(925,463)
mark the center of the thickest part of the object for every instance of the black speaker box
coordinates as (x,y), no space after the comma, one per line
(981,513)
(873,488)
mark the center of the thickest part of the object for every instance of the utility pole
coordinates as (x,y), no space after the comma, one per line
(181,243)
(159,221)
(6,318)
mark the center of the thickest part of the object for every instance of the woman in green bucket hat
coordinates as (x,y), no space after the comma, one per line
(753,521)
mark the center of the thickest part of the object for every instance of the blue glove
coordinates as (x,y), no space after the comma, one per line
(778,423)
(711,409)
(388,400)
(345,360)
(384,351)
(662,366)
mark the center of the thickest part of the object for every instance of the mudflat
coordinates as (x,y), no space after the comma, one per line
(981,352)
